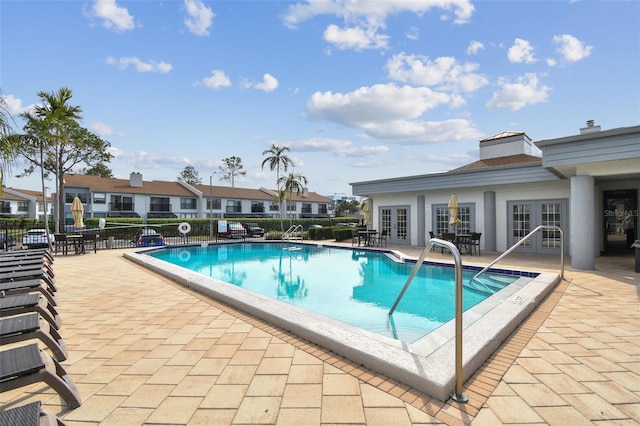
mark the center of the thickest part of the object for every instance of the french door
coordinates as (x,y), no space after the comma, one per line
(525,216)
(395,220)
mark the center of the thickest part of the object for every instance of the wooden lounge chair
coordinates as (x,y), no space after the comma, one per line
(29,415)
(25,365)
(11,288)
(30,302)
(33,268)
(32,326)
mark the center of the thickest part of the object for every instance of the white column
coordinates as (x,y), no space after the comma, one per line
(582,222)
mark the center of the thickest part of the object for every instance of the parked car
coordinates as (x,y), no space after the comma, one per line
(36,238)
(6,241)
(253,230)
(234,230)
(149,237)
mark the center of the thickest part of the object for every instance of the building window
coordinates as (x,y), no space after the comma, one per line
(274,206)
(69,196)
(216,205)
(121,203)
(322,209)
(257,207)
(23,206)
(292,206)
(41,207)
(188,215)
(306,208)
(234,206)
(5,207)
(188,204)
(160,204)
(99,198)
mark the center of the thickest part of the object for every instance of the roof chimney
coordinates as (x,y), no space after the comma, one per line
(135,180)
(591,128)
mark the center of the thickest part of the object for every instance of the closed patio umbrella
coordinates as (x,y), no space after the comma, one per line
(77,210)
(453,211)
(366,212)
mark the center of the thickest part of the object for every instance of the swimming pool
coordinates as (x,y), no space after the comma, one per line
(354,286)
(426,364)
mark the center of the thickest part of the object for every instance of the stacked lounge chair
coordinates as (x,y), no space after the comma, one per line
(28,319)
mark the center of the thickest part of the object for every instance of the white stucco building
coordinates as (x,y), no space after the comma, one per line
(586,183)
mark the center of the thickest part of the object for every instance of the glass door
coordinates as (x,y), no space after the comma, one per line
(395,220)
(620,220)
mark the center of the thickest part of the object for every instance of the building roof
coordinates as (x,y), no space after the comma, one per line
(500,161)
(15,194)
(503,135)
(100,184)
(157,187)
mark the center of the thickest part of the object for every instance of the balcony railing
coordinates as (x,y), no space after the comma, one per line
(154,207)
(121,207)
(234,209)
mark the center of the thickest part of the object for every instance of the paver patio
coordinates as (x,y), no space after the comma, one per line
(144,350)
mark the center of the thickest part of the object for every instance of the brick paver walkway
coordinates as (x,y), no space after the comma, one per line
(144,350)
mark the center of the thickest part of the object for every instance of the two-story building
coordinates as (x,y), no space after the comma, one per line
(134,197)
(24,203)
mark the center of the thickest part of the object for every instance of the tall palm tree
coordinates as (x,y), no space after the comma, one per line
(8,142)
(277,159)
(55,111)
(293,182)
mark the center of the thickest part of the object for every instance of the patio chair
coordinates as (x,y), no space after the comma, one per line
(448,236)
(39,253)
(11,288)
(30,302)
(355,237)
(32,326)
(30,274)
(90,240)
(382,238)
(29,415)
(25,365)
(35,268)
(61,243)
(474,242)
(431,237)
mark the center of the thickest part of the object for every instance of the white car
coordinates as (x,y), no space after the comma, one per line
(35,238)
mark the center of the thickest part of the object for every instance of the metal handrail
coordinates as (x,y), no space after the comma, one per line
(289,232)
(457,394)
(516,245)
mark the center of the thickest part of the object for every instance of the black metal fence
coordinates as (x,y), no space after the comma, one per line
(124,233)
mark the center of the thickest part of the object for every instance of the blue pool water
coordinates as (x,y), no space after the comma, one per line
(354,286)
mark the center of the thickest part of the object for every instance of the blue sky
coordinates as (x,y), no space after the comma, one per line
(357,90)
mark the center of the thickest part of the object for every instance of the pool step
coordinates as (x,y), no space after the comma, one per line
(488,284)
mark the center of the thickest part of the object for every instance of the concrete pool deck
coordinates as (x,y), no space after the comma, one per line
(144,350)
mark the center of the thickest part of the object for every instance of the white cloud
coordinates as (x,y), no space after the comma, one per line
(526,90)
(363,20)
(356,38)
(338,147)
(521,51)
(14,106)
(391,113)
(102,129)
(147,160)
(217,79)
(443,72)
(199,17)
(413,33)
(269,84)
(141,66)
(114,17)
(571,49)
(474,47)
(424,132)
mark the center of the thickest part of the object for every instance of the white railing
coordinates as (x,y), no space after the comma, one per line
(295,232)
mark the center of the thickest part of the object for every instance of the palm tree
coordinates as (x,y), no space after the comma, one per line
(277,159)
(293,182)
(8,142)
(55,111)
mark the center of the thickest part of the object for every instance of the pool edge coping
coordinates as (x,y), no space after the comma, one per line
(432,373)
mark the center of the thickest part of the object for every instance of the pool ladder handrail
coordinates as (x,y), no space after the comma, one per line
(457,394)
(288,234)
(520,242)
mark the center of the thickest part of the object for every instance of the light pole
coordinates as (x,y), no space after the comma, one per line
(211,206)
